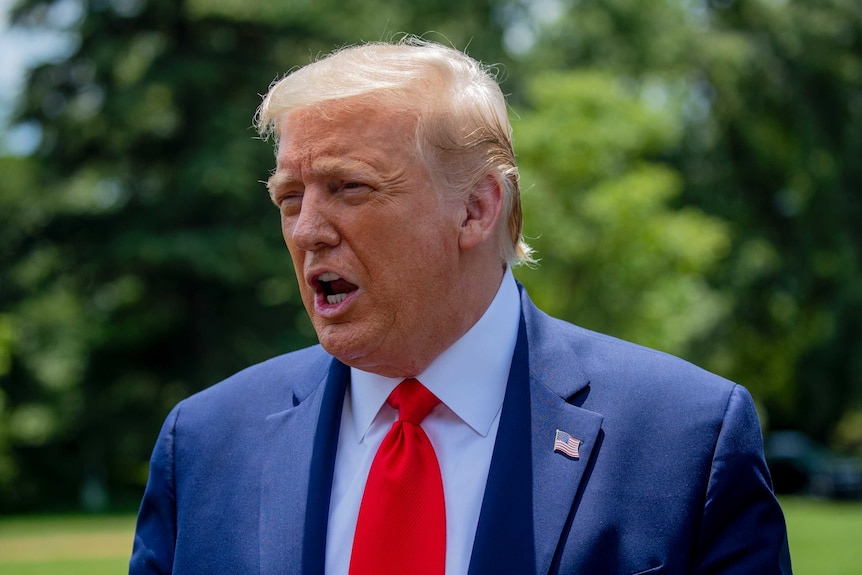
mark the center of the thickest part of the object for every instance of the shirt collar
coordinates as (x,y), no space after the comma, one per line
(469,377)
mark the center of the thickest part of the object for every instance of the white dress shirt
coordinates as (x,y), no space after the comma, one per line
(470,379)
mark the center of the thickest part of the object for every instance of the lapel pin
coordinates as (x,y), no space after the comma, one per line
(567,445)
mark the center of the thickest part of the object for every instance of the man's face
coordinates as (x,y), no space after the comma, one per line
(374,245)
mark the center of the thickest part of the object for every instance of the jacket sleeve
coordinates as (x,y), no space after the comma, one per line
(742,530)
(156,531)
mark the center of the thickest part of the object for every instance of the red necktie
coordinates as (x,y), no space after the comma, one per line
(402,518)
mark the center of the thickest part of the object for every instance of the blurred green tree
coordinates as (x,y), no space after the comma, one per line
(778,154)
(769,95)
(616,256)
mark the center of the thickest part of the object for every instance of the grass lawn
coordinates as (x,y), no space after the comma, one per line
(65,545)
(825,539)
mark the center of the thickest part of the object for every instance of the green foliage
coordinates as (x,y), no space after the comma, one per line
(848,433)
(783,138)
(632,37)
(767,97)
(616,256)
(144,241)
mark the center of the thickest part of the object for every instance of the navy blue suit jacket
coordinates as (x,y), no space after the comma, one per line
(670,479)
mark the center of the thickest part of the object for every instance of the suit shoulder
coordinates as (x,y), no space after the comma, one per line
(266,385)
(618,368)
(620,358)
(640,390)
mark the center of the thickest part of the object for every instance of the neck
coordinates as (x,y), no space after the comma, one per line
(472,295)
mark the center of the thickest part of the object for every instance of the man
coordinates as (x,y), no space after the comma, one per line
(546,448)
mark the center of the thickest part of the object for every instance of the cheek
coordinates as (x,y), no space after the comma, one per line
(296,256)
(287,233)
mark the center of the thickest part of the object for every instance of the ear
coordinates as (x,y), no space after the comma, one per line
(483,208)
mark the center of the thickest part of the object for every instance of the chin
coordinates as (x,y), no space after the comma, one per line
(345,348)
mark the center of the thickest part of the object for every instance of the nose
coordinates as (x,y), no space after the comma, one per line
(312,227)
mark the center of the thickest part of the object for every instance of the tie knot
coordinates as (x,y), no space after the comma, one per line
(412,400)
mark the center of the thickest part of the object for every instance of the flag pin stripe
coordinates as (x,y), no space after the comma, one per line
(566,444)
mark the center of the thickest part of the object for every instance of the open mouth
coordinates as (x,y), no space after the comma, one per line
(334,289)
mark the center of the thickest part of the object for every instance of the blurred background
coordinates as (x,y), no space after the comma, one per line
(691,175)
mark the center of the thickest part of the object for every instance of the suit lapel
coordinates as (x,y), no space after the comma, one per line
(297,478)
(504,535)
(531,490)
(557,478)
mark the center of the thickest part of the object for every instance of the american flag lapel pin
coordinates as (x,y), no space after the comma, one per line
(566,444)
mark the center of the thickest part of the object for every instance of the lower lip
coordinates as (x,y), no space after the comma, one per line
(330,310)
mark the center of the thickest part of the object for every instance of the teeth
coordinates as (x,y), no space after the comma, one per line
(337,298)
(329,277)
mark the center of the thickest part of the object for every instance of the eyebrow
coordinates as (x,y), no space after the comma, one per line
(322,167)
(278,180)
(337,165)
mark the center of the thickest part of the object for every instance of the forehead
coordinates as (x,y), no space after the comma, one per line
(332,132)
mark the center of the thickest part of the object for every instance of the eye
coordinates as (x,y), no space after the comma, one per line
(284,191)
(346,186)
(352,192)
(289,203)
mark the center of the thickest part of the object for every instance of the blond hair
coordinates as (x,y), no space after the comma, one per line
(463,132)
